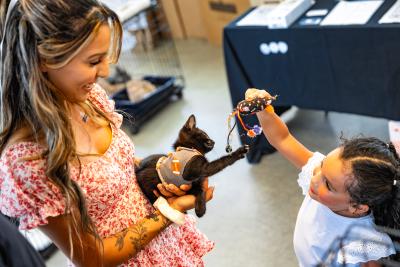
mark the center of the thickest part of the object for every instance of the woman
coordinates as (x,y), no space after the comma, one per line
(66,166)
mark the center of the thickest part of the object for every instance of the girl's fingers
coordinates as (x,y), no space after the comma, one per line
(262,94)
(250,94)
(255,93)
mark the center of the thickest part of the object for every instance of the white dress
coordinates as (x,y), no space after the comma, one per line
(318,231)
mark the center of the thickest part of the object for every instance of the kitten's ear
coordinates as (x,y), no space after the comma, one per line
(191,122)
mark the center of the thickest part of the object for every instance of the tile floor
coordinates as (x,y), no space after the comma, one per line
(253,213)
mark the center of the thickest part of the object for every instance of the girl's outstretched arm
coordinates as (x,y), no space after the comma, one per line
(277,133)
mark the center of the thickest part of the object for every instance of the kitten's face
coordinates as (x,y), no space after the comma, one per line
(192,137)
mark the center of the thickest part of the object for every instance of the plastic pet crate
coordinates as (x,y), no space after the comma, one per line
(137,113)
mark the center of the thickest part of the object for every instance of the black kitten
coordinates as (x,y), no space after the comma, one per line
(193,169)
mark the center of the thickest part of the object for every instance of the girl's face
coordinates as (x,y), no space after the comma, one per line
(76,79)
(328,185)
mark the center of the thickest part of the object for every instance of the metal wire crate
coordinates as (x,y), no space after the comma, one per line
(149,47)
(149,50)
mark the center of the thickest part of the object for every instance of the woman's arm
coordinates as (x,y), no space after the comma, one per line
(119,247)
(278,135)
(116,249)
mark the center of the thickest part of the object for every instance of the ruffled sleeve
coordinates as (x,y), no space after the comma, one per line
(307,171)
(99,97)
(364,244)
(25,191)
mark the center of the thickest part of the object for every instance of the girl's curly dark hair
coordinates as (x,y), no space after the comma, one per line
(375,167)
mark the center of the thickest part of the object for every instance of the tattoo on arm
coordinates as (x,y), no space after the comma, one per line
(120,239)
(140,233)
(138,242)
(165,222)
(153,216)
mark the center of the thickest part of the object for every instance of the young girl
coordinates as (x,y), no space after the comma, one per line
(66,167)
(355,184)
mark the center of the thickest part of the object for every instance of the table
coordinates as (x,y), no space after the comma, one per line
(352,68)
(127,9)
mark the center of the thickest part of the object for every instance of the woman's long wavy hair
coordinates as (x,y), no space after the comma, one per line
(49,32)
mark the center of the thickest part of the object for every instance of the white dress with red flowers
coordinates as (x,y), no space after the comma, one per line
(114,199)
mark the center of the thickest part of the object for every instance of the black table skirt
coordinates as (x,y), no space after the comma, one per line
(352,69)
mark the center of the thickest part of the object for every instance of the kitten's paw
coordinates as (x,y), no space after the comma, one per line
(242,151)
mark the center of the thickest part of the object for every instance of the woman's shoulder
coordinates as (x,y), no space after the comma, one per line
(25,190)
(21,155)
(23,164)
(99,97)
(22,151)
(22,144)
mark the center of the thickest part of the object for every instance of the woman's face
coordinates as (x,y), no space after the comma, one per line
(76,79)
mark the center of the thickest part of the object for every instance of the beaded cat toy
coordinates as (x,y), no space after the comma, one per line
(247,107)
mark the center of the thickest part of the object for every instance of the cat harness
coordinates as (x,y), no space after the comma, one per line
(170,168)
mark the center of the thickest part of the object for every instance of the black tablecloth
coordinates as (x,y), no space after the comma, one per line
(353,68)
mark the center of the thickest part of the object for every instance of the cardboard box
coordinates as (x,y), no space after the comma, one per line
(192,18)
(282,16)
(184,18)
(218,13)
(174,19)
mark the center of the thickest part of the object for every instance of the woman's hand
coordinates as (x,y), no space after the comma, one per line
(253,93)
(137,162)
(172,190)
(187,202)
(177,197)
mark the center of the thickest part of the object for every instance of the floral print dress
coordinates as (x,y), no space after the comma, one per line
(114,199)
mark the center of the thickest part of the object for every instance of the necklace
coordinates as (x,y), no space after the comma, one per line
(84,116)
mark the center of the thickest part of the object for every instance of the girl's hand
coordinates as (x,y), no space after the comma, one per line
(253,93)
(187,202)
